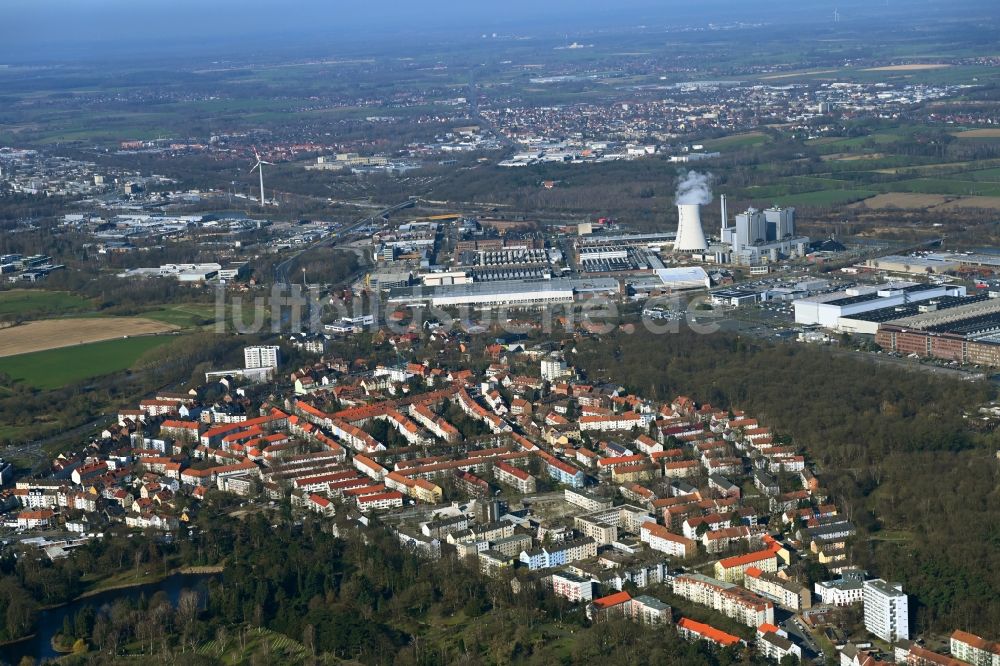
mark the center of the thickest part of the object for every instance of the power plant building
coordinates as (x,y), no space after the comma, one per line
(759,236)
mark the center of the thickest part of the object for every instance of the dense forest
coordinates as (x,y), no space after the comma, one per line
(892,446)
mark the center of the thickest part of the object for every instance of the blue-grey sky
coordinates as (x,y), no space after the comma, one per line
(55,29)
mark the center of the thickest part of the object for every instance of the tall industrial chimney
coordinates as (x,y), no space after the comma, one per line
(725,222)
(690,235)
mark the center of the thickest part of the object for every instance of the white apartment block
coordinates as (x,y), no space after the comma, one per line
(625,421)
(838,592)
(731,600)
(514,477)
(776,647)
(261,357)
(974,649)
(660,538)
(390,500)
(553,368)
(886,609)
(650,611)
(572,587)
(586,501)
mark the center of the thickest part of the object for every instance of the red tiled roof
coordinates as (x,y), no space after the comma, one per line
(749,558)
(394,494)
(975,641)
(612,600)
(662,532)
(186,425)
(319,499)
(40,514)
(513,471)
(925,656)
(708,631)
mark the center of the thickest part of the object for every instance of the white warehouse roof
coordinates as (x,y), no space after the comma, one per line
(684,277)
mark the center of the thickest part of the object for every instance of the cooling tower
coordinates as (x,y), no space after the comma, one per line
(690,235)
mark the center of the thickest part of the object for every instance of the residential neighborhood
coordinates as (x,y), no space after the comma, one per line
(631,507)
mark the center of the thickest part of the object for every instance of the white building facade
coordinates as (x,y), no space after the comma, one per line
(886,608)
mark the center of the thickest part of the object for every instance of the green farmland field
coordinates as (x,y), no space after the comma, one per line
(36,301)
(824,198)
(945,186)
(188,315)
(54,368)
(737,141)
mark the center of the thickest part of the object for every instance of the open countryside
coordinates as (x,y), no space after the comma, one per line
(38,336)
(33,301)
(55,368)
(913,67)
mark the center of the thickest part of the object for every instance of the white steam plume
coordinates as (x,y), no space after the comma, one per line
(694,188)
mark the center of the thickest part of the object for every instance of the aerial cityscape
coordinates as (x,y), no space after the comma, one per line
(426,333)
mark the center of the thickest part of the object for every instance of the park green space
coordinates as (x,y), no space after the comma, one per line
(54,368)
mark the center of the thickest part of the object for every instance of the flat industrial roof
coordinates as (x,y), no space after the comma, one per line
(628,238)
(499,287)
(851,300)
(735,292)
(898,312)
(950,318)
(985,323)
(682,274)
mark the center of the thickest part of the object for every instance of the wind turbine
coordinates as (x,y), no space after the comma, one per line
(260,169)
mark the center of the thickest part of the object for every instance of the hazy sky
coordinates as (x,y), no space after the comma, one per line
(55,29)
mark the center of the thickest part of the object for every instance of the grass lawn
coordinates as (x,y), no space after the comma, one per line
(37,301)
(54,368)
(790,185)
(127,578)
